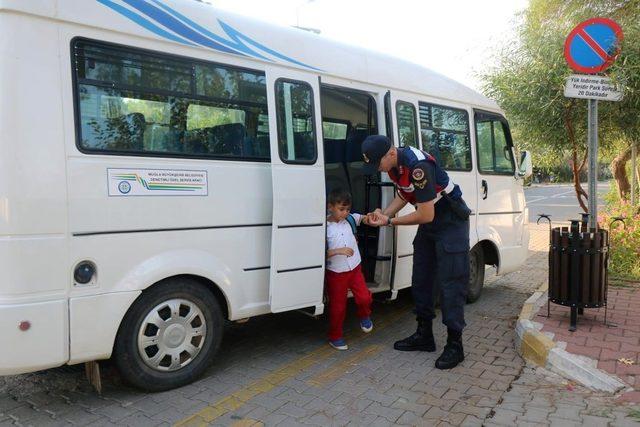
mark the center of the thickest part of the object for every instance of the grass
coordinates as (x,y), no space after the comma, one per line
(621,282)
(635,414)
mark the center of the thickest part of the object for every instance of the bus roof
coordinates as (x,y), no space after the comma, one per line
(199,25)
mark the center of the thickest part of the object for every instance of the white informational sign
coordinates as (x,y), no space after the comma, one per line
(157,182)
(591,87)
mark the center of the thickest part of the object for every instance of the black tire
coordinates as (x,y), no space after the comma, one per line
(476,274)
(191,298)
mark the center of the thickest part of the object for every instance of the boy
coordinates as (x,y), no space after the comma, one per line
(343,268)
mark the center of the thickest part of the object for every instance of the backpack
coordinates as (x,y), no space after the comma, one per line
(352,222)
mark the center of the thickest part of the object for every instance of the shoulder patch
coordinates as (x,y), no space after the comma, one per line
(417,174)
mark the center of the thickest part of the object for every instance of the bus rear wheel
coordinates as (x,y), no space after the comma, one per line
(476,274)
(169,335)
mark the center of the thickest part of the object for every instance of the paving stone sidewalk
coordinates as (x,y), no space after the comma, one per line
(541,398)
(616,347)
(278,370)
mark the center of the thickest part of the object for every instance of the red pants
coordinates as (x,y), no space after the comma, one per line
(337,286)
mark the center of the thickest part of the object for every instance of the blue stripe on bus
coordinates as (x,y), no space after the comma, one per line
(195,33)
(176,26)
(238,46)
(238,37)
(143,22)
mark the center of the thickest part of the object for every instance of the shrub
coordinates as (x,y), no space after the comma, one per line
(624,255)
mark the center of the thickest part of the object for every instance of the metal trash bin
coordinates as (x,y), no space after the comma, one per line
(578,268)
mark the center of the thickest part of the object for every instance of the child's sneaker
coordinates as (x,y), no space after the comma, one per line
(339,344)
(366,325)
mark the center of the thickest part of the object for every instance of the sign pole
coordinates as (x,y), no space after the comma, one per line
(593,163)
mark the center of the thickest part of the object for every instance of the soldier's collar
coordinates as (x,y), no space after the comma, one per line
(401,159)
(401,156)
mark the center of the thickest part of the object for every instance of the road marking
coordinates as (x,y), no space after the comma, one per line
(559,206)
(535,197)
(238,398)
(345,366)
(247,422)
(563,193)
(554,196)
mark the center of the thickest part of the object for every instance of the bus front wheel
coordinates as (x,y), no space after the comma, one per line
(476,274)
(169,335)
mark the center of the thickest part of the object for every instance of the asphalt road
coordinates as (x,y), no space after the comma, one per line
(559,201)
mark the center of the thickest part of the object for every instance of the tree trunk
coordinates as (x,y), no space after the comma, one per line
(619,171)
(637,174)
(581,195)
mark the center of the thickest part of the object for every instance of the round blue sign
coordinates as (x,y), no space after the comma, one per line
(593,45)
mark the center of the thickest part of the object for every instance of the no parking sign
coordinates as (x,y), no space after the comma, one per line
(593,45)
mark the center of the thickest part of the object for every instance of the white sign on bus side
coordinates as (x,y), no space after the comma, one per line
(157,182)
(591,87)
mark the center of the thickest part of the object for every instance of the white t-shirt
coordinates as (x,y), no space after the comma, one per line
(340,235)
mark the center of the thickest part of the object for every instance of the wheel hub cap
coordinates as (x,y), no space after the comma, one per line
(175,335)
(171,335)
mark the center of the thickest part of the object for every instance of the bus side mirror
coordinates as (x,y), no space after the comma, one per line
(526,167)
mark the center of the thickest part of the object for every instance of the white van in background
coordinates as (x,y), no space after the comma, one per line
(164,166)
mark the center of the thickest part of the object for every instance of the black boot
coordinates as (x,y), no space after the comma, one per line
(422,340)
(453,352)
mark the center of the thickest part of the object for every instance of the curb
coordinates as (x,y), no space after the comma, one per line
(540,348)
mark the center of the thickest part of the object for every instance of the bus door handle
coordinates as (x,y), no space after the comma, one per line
(485,189)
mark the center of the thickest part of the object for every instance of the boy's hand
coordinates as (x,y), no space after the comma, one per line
(346,251)
(377,218)
(371,217)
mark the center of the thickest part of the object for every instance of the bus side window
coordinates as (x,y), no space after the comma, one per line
(296,130)
(445,135)
(143,103)
(407,126)
(494,151)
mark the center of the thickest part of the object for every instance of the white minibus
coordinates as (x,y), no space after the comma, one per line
(164,167)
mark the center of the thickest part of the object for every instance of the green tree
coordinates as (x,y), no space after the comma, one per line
(528,82)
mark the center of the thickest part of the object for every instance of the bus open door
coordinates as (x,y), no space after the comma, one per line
(298,180)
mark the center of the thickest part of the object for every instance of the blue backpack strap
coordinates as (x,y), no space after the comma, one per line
(352,222)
